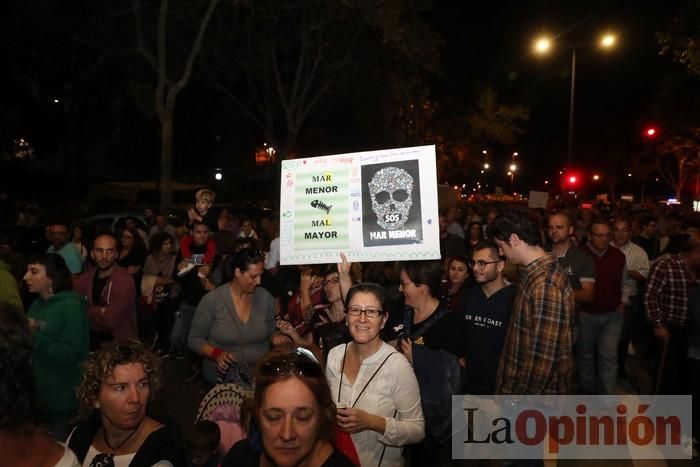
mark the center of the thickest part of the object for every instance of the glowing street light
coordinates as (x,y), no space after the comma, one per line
(596,177)
(608,41)
(486,166)
(542,45)
(513,167)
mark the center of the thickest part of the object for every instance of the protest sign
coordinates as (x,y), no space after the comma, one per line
(372,206)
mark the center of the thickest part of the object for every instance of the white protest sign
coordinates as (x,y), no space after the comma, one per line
(372,206)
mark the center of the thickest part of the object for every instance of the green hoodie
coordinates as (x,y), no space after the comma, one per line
(60,347)
(8,287)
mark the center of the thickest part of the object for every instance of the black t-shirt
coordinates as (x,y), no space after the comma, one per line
(134,259)
(211,218)
(243,455)
(485,324)
(445,333)
(191,284)
(98,285)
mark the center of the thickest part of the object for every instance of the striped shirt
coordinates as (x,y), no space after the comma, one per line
(537,354)
(669,285)
(637,260)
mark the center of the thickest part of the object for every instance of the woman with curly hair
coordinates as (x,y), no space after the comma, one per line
(120,381)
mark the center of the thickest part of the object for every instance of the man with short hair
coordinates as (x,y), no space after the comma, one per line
(190,273)
(450,244)
(537,354)
(453,226)
(637,263)
(111,295)
(666,299)
(600,322)
(485,316)
(647,238)
(57,234)
(578,265)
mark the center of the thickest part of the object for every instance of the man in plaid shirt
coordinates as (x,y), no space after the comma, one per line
(537,355)
(670,283)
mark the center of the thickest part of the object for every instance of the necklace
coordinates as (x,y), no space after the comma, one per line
(107,460)
(118,446)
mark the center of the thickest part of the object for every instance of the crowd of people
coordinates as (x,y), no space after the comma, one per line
(340,364)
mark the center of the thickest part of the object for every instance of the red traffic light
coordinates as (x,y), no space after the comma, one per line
(650,132)
(572,180)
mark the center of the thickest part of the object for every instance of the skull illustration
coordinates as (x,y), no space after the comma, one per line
(390,189)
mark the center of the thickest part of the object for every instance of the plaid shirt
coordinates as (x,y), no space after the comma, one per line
(537,354)
(669,285)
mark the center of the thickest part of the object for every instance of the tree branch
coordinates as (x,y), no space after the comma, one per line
(140,44)
(196,45)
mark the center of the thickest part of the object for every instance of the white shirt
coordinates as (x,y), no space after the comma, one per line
(68,459)
(636,259)
(392,394)
(272,258)
(119,461)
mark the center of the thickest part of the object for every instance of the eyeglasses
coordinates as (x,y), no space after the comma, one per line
(369,312)
(481,263)
(333,281)
(300,362)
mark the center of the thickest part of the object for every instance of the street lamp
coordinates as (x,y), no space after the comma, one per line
(511,173)
(542,46)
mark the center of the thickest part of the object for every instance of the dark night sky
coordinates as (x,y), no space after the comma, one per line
(490,42)
(483,43)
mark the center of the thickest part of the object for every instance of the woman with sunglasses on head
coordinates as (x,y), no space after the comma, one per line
(233,323)
(59,320)
(119,383)
(293,416)
(437,370)
(373,385)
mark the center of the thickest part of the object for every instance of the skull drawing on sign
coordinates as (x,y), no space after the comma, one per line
(390,190)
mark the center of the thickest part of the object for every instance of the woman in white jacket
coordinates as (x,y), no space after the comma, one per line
(374,386)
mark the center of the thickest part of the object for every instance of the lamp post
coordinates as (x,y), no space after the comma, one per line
(542,46)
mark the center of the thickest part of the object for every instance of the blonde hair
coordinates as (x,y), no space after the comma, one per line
(205,193)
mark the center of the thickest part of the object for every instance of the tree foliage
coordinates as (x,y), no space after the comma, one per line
(681,40)
(678,155)
(291,55)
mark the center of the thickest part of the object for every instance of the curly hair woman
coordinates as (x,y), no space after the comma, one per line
(120,381)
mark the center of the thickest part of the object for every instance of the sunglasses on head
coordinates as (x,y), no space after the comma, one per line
(300,362)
